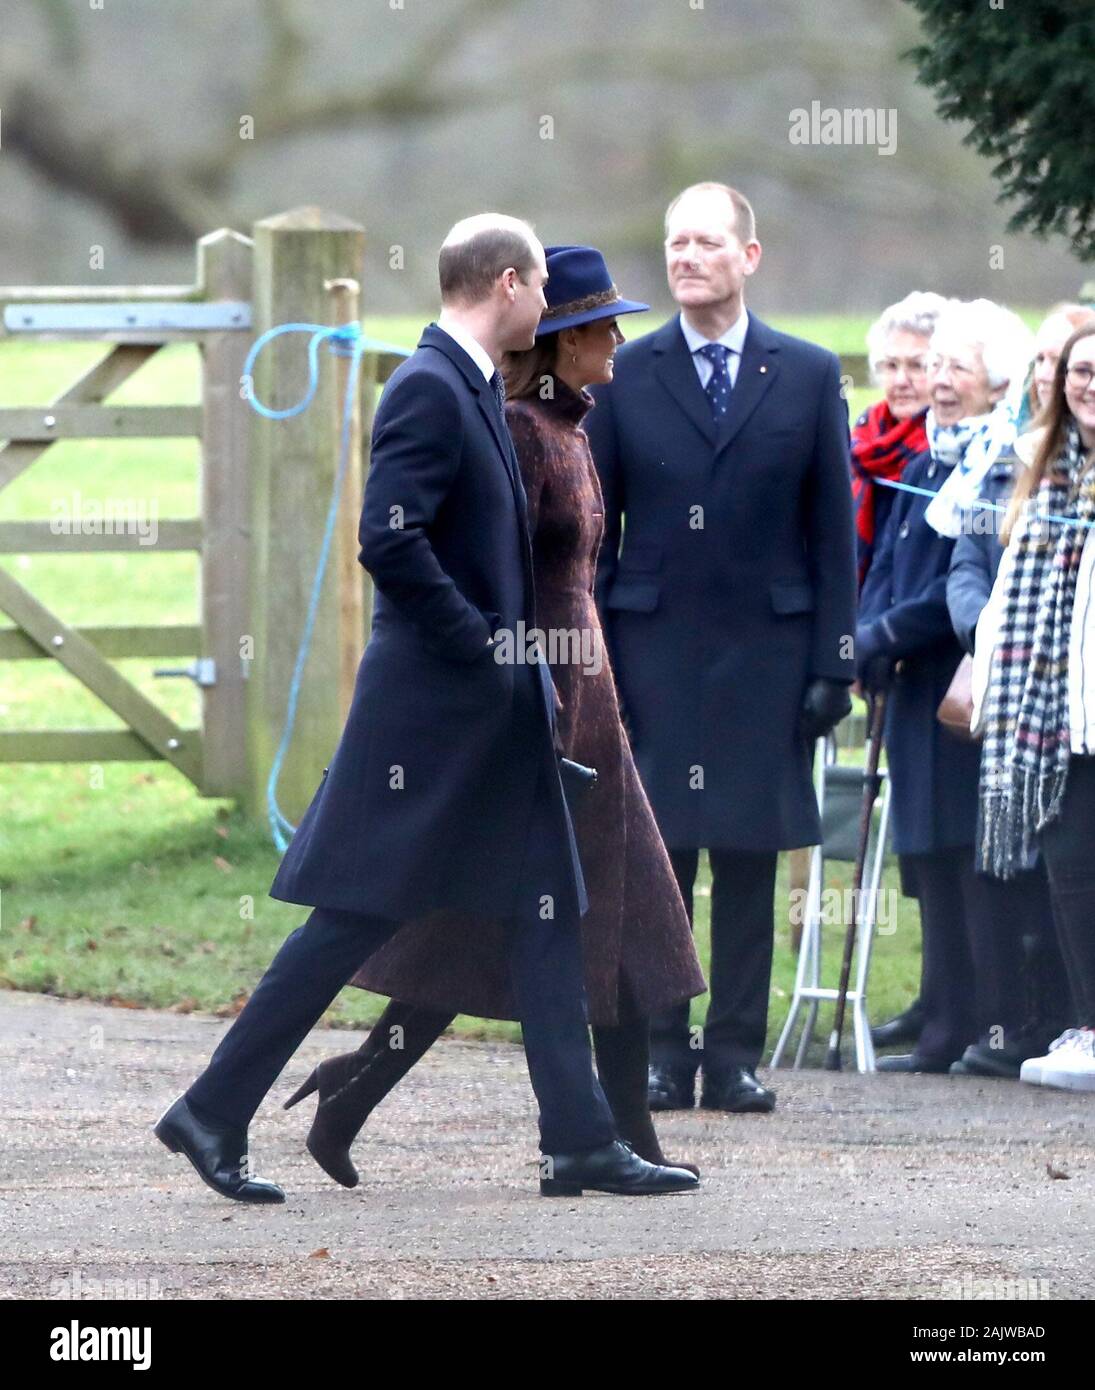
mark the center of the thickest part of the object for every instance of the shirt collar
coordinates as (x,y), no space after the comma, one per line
(733,338)
(475,349)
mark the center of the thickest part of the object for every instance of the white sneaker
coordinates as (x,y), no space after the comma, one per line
(1069,1064)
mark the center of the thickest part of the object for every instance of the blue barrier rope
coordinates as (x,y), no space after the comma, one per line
(983,503)
(347,340)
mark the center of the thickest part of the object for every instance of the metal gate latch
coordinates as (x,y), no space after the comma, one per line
(202,672)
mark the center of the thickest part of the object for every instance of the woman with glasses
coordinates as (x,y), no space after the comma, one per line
(1028,974)
(891,432)
(905,643)
(1035,698)
(884,439)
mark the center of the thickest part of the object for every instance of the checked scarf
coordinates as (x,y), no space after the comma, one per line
(881,447)
(1026,748)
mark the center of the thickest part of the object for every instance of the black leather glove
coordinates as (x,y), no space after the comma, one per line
(824,705)
(877,674)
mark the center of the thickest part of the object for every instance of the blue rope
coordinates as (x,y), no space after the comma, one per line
(983,502)
(346,340)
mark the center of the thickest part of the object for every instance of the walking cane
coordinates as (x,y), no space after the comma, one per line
(871,785)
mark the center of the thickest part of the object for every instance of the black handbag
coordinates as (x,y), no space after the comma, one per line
(578,780)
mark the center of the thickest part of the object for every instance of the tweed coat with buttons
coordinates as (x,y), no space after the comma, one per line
(636,926)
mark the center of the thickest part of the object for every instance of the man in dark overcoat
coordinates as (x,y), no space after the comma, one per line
(729,608)
(444,791)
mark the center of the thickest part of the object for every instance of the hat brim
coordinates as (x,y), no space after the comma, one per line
(603,311)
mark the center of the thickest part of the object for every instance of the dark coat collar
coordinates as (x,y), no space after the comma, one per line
(566,403)
(758,369)
(435,337)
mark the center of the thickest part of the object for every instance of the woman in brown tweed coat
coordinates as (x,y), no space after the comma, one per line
(637,944)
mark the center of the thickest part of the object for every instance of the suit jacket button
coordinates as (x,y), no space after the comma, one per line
(903,529)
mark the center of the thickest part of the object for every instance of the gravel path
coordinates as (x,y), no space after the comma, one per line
(872,1187)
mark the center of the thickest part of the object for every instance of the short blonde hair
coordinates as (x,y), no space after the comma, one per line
(745,223)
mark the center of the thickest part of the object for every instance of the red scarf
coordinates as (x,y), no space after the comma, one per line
(881,447)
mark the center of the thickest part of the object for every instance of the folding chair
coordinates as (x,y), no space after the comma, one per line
(840,801)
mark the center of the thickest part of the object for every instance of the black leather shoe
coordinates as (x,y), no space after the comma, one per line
(738,1091)
(671,1088)
(982,1059)
(615,1168)
(905,1028)
(216,1151)
(910,1062)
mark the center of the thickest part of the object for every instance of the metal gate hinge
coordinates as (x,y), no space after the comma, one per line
(202,672)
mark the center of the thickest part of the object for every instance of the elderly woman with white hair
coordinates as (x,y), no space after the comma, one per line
(891,432)
(905,643)
(885,438)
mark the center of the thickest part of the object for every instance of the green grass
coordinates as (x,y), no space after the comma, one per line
(118,882)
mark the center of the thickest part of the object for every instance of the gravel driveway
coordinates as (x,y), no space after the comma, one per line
(872,1187)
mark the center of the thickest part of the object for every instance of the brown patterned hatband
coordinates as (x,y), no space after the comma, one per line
(579,306)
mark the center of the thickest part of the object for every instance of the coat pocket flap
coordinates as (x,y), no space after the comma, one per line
(635,595)
(643,556)
(791,596)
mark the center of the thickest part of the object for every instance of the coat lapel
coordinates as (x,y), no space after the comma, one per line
(757,370)
(432,336)
(674,368)
(435,337)
(676,371)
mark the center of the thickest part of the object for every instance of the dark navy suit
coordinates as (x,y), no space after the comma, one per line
(734,585)
(444,790)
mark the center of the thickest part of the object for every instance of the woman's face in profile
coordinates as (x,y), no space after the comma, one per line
(595,347)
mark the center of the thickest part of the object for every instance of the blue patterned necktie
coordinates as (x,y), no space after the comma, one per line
(499,392)
(718,388)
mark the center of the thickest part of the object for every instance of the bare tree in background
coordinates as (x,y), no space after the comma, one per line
(161,201)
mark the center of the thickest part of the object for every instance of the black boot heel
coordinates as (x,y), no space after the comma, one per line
(312,1084)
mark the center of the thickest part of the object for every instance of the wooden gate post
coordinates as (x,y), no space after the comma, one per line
(224,272)
(346,308)
(294,464)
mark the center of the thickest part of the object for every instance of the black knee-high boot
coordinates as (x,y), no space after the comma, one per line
(623,1062)
(352,1084)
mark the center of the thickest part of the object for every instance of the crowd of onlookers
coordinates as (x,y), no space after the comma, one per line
(974,483)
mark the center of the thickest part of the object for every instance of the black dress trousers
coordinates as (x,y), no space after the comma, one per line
(319,958)
(743,885)
(1068,846)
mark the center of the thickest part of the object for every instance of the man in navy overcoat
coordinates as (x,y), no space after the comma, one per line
(444,790)
(722,448)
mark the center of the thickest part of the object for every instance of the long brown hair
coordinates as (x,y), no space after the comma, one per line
(524,372)
(1054,420)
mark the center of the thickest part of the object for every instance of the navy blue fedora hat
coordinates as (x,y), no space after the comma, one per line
(579,289)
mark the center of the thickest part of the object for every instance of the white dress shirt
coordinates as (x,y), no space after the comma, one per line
(733,338)
(472,346)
